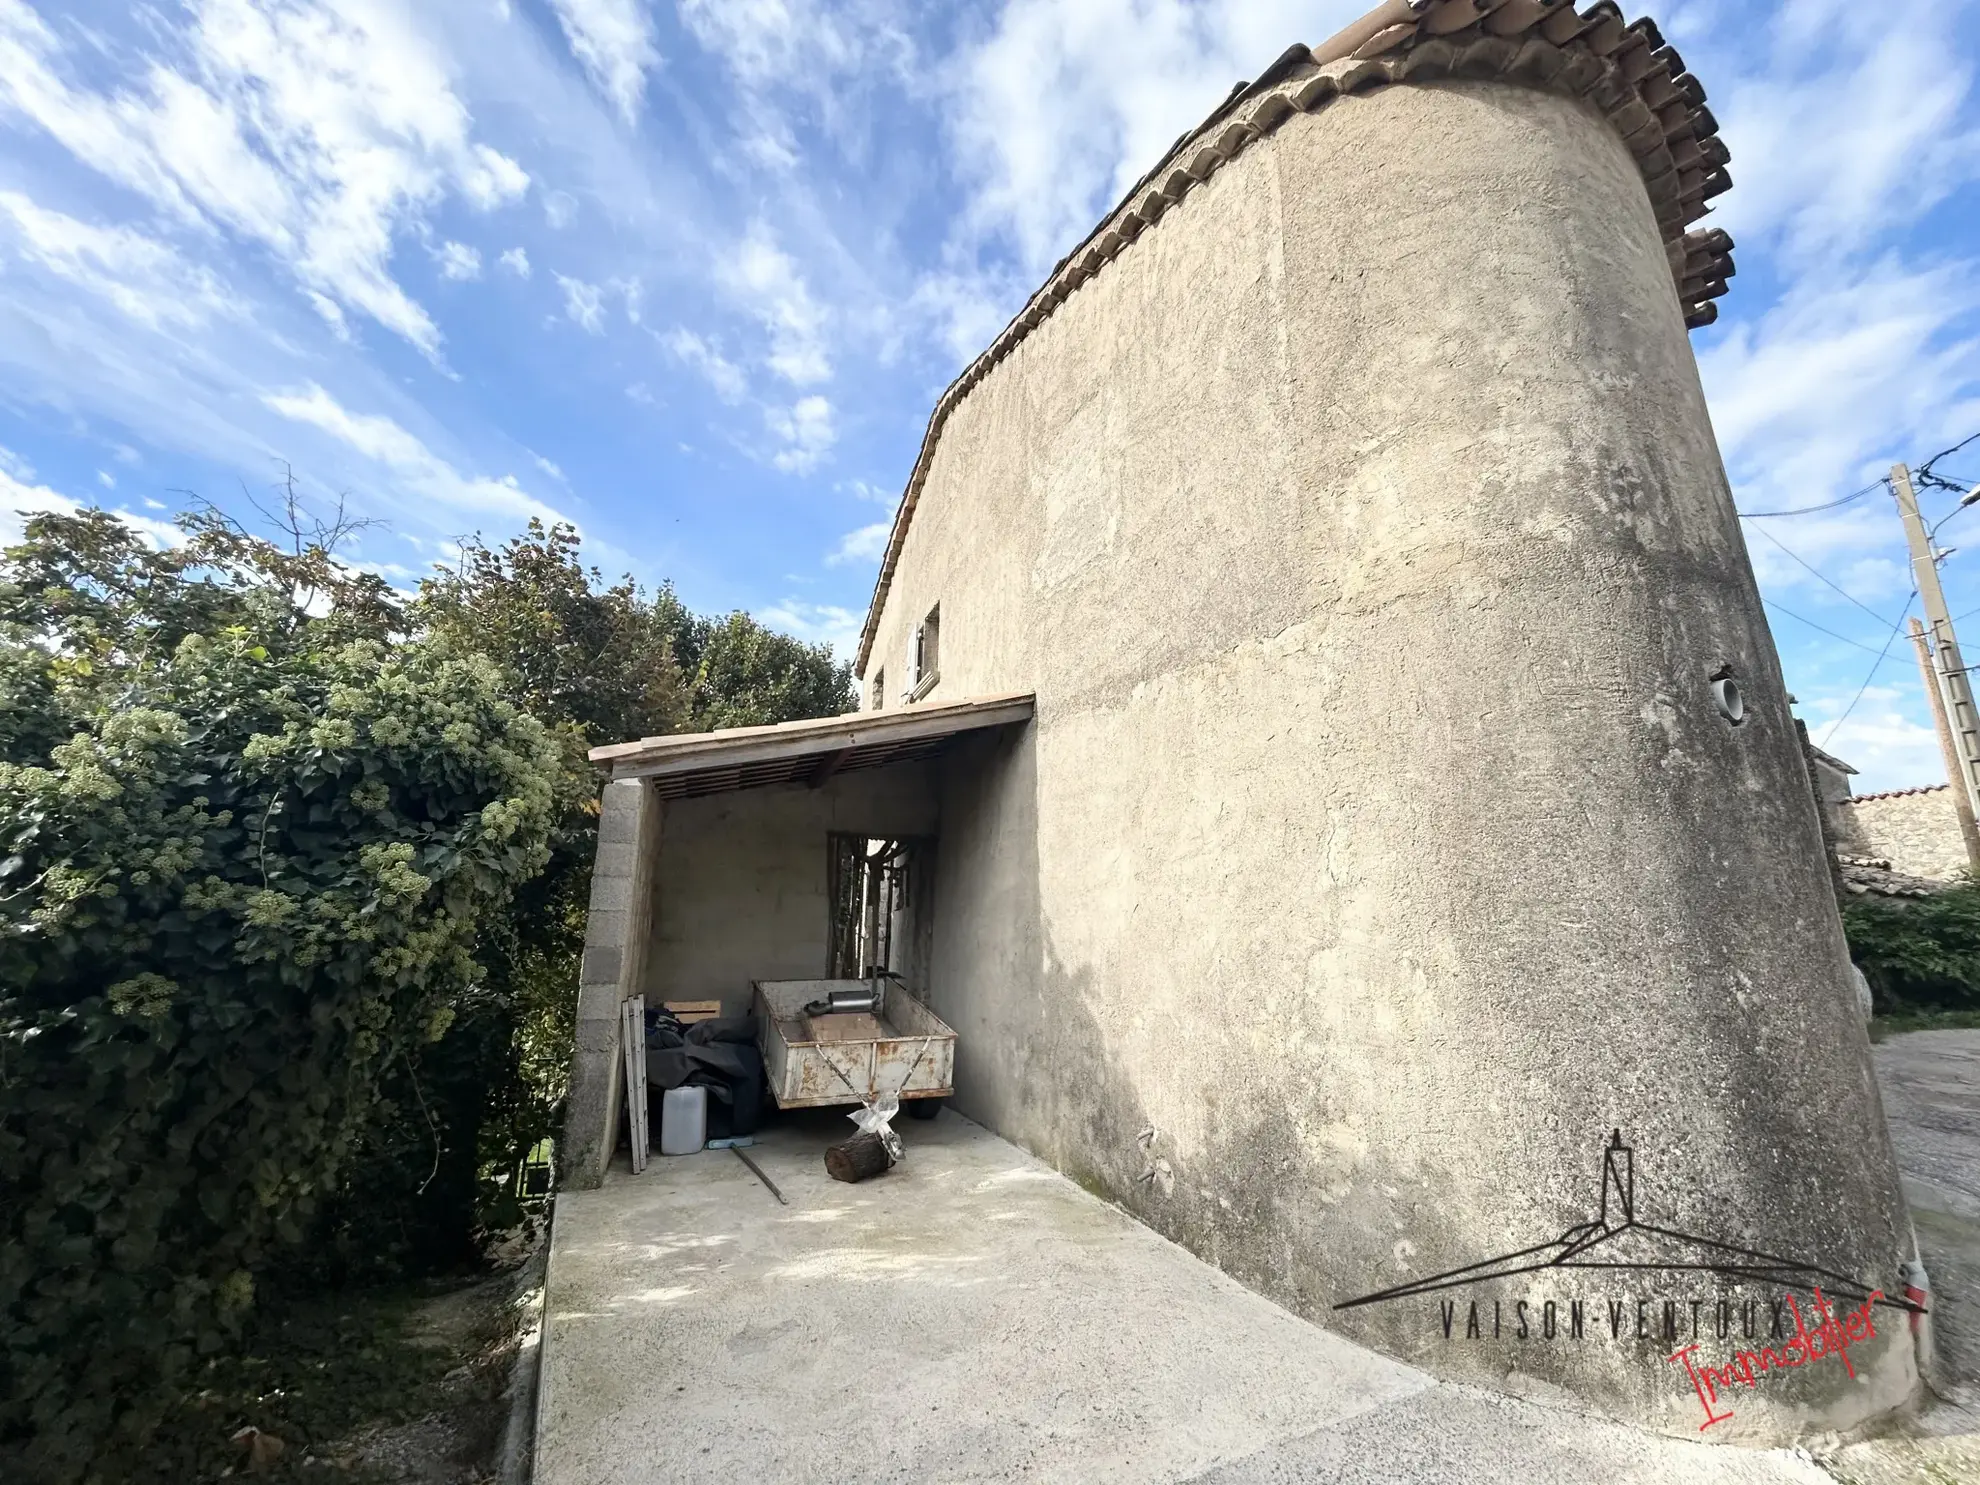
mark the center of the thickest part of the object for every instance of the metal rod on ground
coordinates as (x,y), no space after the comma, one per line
(1948,748)
(1962,719)
(769,1184)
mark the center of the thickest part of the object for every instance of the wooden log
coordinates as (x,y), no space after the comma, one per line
(859,1157)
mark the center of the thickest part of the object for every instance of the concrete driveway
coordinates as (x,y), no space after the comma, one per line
(1931,1085)
(973,1316)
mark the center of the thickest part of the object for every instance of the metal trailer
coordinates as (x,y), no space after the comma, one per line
(913,1056)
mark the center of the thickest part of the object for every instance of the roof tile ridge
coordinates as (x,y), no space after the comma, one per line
(1894,793)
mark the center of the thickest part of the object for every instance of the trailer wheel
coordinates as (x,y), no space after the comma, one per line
(924,1108)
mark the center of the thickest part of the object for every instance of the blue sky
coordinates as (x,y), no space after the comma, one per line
(691,273)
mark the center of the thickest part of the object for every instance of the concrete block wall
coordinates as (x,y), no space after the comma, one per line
(1916,830)
(616,933)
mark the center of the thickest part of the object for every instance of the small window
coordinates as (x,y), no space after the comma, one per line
(925,657)
(879,689)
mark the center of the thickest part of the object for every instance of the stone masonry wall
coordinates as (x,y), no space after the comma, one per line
(1916,830)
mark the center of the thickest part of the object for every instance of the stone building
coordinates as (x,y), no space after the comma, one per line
(1318,660)
(1915,830)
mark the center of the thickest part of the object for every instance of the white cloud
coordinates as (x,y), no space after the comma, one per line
(1049,126)
(789,43)
(1818,395)
(20,500)
(613,39)
(806,433)
(724,376)
(385,443)
(458,261)
(318,129)
(816,623)
(767,283)
(863,490)
(1881,736)
(106,479)
(1819,177)
(516,261)
(967,310)
(332,313)
(584,304)
(144,278)
(812,55)
(559,208)
(863,545)
(549,467)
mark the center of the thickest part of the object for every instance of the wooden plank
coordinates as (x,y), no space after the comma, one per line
(690,1011)
(828,764)
(725,753)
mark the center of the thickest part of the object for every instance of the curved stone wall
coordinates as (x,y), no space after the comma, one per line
(1378,847)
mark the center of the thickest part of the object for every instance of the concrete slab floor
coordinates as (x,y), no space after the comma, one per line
(974,1316)
(1931,1086)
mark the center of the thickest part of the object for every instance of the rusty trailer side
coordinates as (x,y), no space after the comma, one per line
(915,1057)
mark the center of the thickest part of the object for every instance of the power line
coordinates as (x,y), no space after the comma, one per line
(1807,510)
(1817,627)
(1875,665)
(1926,467)
(1823,579)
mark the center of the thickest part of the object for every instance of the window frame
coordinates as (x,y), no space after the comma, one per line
(927,637)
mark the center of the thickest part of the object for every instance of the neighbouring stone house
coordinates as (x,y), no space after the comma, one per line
(1317,680)
(1915,830)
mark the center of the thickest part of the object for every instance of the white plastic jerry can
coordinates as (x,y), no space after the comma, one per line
(683,1120)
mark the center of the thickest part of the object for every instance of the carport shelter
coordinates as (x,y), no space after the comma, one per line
(753,853)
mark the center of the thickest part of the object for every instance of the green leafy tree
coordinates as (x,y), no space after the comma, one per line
(1919,953)
(598,663)
(741,674)
(293,878)
(247,839)
(594,658)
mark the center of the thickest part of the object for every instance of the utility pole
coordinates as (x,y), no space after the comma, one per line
(1948,748)
(1953,693)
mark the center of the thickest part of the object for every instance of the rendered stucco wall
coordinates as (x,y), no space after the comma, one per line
(742,880)
(1377,848)
(1916,830)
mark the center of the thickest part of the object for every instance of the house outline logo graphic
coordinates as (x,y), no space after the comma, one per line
(1598,1244)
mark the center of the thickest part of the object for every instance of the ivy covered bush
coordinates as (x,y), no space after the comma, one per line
(1919,954)
(293,873)
(247,838)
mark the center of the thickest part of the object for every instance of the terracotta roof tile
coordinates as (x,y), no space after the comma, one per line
(1623,68)
(1870,876)
(1894,793)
